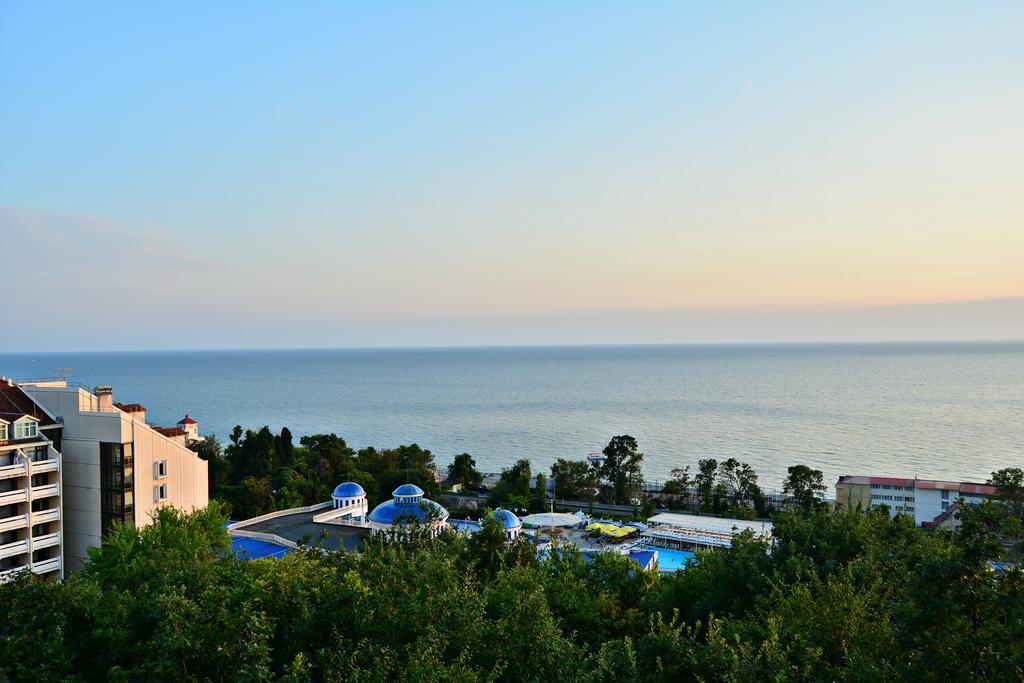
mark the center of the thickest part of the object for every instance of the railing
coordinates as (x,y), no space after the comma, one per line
(47,541)
(12,549)
(334,515)
(10,574)
(16,470)
(47,465)
(279,513)
(260,536)
(51,515)
(47,491)
(52,383)
(12,497)
(46,566)
(13,522)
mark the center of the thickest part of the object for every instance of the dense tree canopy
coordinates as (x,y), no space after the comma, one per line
(847,596)
(260,472)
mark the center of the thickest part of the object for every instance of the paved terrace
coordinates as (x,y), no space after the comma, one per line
(300,525)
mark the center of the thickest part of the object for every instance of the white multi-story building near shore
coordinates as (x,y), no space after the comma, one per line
(926,500)
(30,487)
(115,466)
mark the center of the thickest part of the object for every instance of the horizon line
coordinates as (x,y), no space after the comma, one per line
(596,345)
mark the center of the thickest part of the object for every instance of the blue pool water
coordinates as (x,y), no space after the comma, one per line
(674,560)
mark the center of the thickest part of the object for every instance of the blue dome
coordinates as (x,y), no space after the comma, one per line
(349,489)
(507,519)
(390,511)
(407,490)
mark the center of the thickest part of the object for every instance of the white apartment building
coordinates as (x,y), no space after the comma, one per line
(30,487)
(926,500)
(116,467)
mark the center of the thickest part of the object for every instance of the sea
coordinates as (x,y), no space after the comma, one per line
(931,410)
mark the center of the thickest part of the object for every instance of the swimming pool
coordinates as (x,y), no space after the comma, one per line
(673,560)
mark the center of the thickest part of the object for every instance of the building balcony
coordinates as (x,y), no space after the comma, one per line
(45,541)
(18,469)
(12,549)
(12,497)
(48,465)
(46,566)
(14,522)
(10,574)
(51,515)
(46,491)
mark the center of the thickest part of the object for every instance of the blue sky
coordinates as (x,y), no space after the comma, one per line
(459,173)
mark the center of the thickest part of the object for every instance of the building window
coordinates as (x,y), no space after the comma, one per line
(945,504)
(117,483)
(160,493)
(25,430)
(3,432)
(945,495)
(160,469)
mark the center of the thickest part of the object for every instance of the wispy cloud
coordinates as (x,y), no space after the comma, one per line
(80,241)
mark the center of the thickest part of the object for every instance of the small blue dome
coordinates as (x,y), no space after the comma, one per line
(407,490)
(507,519)
(390,512)
(349,489)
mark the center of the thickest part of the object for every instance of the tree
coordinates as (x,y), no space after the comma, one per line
(284,448)
(513,489)
(218,470)
(805,485)
(705,483)
(539,497)
(1009,483)
(463,470)
(680,482)
(519,469)
(621,469)
(855,595)
(573,479)
(740,482)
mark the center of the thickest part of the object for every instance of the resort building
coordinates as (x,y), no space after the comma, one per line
(30,487)
(115,466)
(342,521)
(689,532)
(510,524)
(408,506)
(926,500)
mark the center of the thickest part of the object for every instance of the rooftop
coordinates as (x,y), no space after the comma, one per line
(960,486)
(14,403)
(300,526)
(702,530)
(254,549)
(170,432)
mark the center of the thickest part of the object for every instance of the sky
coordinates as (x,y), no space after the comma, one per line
(235,175)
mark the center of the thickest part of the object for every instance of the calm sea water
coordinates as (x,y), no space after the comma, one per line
(935,410)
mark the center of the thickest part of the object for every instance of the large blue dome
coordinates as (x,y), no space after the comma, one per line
(407,490)
(390,512)
(507,519)
(349,489)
